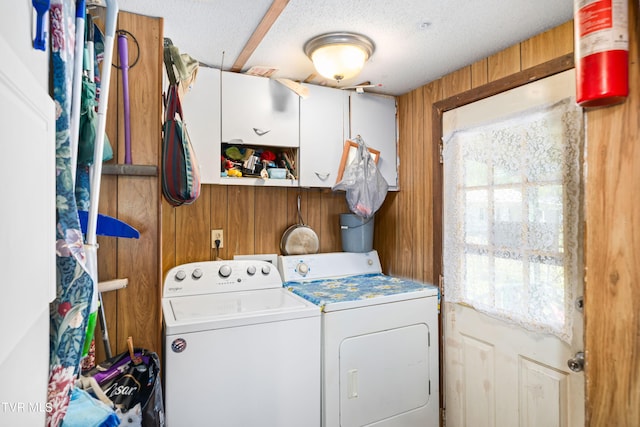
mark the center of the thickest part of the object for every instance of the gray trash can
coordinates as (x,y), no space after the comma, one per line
(356,233)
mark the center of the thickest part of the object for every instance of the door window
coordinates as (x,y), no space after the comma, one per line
(512,217)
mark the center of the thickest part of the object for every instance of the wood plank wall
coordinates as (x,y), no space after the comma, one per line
(253,220)
(135,310)
(612,297)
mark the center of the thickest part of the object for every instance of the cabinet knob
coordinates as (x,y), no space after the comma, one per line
(261,132)
(322,176)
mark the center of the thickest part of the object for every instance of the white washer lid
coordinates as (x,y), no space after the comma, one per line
(215,311)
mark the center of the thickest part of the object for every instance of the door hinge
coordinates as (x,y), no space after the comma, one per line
(441,152)
(441,284)
(443,417)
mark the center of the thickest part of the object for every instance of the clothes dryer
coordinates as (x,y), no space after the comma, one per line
(379,340)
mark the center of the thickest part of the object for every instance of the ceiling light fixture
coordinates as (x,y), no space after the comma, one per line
(339,55)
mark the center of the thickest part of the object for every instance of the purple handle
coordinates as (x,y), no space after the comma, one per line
(123,49)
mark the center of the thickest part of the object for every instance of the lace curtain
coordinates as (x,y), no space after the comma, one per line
(513,201)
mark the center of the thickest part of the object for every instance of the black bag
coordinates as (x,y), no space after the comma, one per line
(131,387)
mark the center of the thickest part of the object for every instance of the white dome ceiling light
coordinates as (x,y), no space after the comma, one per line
(339,55)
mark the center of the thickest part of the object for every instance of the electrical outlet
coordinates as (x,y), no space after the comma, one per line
(217,235)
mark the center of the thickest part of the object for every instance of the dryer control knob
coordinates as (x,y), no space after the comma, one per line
(302,269)
(251,270)
(197,273)
(225,271)
(180,275)
(266,270)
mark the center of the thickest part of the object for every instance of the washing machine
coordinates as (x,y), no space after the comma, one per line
(239,350)
(379,340)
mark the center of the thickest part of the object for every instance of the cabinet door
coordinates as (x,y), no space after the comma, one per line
(259,111)
(323,118)
(373,117)
(201,108)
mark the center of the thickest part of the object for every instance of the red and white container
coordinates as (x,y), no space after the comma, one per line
(601,51)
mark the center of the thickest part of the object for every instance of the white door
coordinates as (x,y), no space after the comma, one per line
(27,171)
(502,371)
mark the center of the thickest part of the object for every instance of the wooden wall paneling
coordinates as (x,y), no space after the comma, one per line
(456,82)
(292,206)
(612,275)
(401,246)
(311,208)
(193,229)
(504,63)
(431,94)
(107,264)
(480,73)
(138,197)
(547,46)
(332,204)
(241,208)
(145,89)
(420,172)
(411,216)
(219,196)
(313,213)
(270,218)
(139,303)
(612,295)
(168,236)
(388,227)
(386,233)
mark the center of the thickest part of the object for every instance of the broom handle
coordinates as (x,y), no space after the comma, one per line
(123,49)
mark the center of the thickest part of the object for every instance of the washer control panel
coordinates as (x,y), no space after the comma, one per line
(220,276)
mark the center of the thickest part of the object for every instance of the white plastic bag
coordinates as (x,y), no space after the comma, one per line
(365,186)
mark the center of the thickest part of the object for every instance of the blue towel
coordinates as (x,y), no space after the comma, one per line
(86,411)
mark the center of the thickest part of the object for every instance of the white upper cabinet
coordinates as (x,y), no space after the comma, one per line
(201,108)
(373,117)
(226,109)
(259,111)
(323,129)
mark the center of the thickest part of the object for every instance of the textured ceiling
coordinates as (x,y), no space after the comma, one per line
(417,41)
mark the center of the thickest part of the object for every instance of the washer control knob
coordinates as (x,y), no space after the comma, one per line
(266,270)
(180,275)
(197,273)
(225,271)
(302,269)
(251,270)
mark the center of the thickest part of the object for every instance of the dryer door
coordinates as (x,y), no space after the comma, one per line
(384,375)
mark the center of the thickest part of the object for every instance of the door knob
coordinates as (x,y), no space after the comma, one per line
(576,363)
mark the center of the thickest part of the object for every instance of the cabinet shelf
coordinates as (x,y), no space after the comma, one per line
(259,182)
